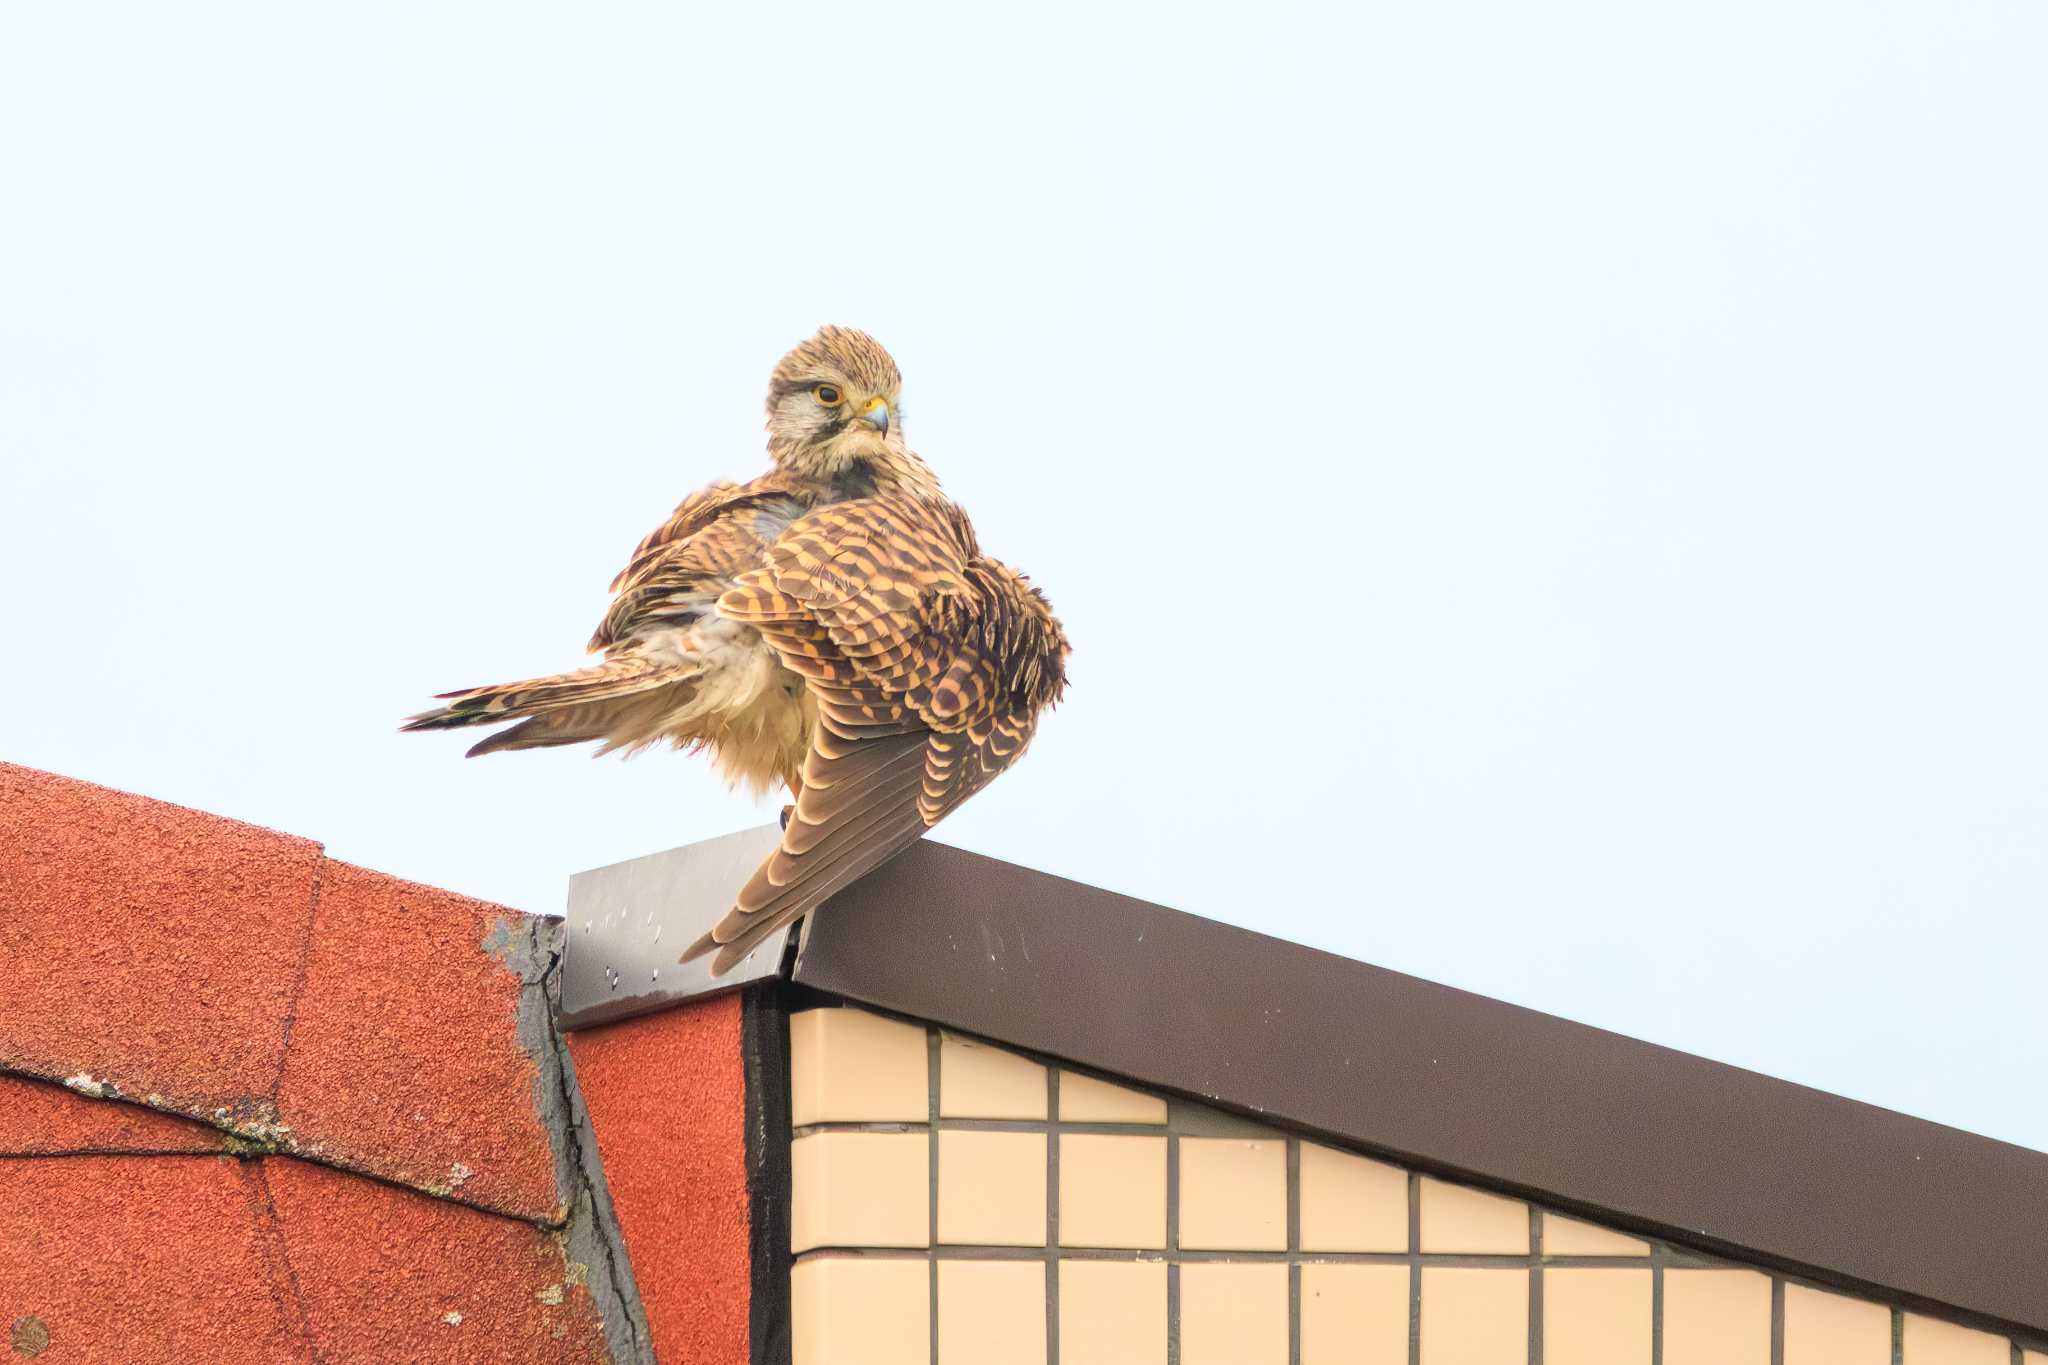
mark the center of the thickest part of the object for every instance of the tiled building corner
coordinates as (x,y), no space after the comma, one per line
(943,1219)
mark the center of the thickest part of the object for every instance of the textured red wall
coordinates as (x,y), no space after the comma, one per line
(249,986)
(109,1258)
(147,943)
(238,977)
(116,1259)
(384,1274)
(38,1118)
(668,1097)
(443,1078)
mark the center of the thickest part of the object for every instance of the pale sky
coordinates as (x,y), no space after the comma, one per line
(1549,498)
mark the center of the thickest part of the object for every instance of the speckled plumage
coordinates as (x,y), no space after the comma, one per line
(831,625)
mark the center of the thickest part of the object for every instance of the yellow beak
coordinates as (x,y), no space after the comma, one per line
(876,415)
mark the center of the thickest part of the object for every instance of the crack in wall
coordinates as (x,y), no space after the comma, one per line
(278,1246)
(299,977)
(151,1153)
(589,1231)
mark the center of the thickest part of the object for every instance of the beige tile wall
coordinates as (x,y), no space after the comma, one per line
(1717,1317)
(941,1218)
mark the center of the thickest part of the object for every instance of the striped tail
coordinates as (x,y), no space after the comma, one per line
(567,708)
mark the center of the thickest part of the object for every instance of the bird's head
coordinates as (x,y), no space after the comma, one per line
(833,411)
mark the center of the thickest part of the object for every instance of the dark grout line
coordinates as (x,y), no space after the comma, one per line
(1777,1320)
(979,1126)
(1052,1216)
(1414,1259)
(1443,1260)
(1898,1336)
(1294,1251)
(931,1086)
(1656,1303)
(1535,1285)
(1173,1252)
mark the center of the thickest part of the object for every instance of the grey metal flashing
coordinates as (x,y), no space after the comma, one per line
(629,923)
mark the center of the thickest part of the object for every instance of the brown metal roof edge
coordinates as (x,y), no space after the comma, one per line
(1645,1137)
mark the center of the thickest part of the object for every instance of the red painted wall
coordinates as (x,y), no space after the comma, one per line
(667,1096)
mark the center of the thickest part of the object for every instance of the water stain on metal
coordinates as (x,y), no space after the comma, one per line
(30,1337)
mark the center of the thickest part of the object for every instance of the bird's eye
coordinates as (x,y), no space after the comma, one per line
(827,395)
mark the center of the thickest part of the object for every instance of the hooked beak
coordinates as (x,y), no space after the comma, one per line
(876,415)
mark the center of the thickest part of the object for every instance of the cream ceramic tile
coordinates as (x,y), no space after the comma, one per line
(1233,1314)
(860,1190)
(1834,1329)
(992,1188)
(1717,1317)
(849,1066)
(1475,1317)
(1112,1313)
(1596,1317)
(1930,1341)
(2034,1358)
(1233,1194)
(991,1313)
(1112,1191)
(1354,1315)
(978,1081)
(1569,1237)
(1349,1203)
(1083,1099)
(1456,1218)
(865,1310)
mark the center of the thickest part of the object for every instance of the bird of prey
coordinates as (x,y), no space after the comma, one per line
(832,626)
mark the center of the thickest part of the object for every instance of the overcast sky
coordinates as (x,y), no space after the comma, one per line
(1548,498)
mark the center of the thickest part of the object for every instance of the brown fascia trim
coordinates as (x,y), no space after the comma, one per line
(1644,1137)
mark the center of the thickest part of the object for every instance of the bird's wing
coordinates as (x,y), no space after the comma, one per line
(883,606)
(653,662)
(680,568)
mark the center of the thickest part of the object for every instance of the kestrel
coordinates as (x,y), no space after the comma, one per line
(832,626)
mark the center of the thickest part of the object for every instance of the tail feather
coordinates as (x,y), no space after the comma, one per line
(568,725)
(566,708)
